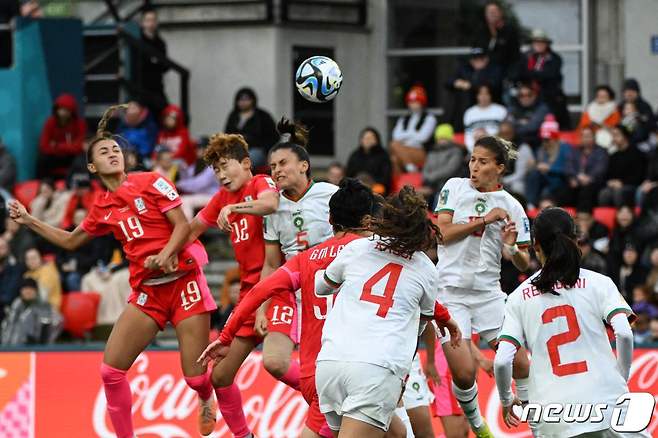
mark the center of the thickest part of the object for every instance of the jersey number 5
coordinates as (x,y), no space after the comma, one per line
(385,302)
(554,342)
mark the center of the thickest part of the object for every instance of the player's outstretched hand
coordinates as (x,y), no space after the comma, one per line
(509,417)
(222,221)
(453,329)
(260,326)
(214,351)
(432,373)
(510,233)
(18,212)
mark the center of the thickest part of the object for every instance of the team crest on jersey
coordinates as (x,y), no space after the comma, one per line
(140,205)
(443,197)
(162,186)
(298,220)
(141,299)
(480,206)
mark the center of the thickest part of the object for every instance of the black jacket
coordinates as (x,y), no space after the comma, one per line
(151,70)
(504,48)
(259,130)
(376,162)
(629,166)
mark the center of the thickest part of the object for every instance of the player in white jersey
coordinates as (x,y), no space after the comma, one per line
(300,222)
(478,219)
(559,314)
(387,283)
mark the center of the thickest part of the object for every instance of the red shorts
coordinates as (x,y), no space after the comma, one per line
(176,300)
(314,418)
(282,316)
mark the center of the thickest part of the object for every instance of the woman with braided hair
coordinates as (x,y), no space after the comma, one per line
(143,212)
(478,219)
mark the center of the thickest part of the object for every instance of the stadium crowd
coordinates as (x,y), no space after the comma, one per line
(605,171)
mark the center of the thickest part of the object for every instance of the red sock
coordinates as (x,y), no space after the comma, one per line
(201,384)
(229,401)
(119,400)
(291,377)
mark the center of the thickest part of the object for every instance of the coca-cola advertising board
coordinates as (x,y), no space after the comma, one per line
(60,394)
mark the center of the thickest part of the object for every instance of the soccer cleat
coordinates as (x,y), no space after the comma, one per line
(484,431)
(207,416)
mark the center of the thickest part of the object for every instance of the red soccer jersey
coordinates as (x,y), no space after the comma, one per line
(135,214)
(247,229)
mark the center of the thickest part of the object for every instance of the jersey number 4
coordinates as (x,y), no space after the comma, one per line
(554,342)
(385,302)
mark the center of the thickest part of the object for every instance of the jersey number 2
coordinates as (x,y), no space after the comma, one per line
(385,302)
(554,342)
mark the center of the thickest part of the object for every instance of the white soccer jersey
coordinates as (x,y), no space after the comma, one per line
(298,225)
(474,262)
(572,360)
(376,316)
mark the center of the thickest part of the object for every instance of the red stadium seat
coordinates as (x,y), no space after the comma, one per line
(26,191)
(571,137)
(605,215)
(79,310)
(414,179)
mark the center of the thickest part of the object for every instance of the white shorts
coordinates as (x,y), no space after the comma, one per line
(358,390)
(609,433)
(416,390)
(479,312)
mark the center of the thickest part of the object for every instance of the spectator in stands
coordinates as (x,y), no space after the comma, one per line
(633,122)
(542,68)
(197,183)
(19,239)
(61,138)
(649,188)
(81,197)
(112,283)
(652,277)
(521,167)
(641,332)
(335,173)
(586,171)
(623,234)
(46,275)
(74,264)
(653,330)
(630,274)
(546,202)
(31,320)
(444,161)
(50,205)
(548,178)
(631,93)
(412,133)
(139,128)
(602,111)
(644,301)
(150,68)
(499,37)
(78,169)
(527,113)
(164,163)
(228,298)
(11,274)
(133,161)
(175,136)
(592,230)
(254,124)
(469,76)
(371,158)
(626,171)
(485,114)
(7,168)
(590,258)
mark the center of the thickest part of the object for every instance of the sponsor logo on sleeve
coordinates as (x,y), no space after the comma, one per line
(162,186)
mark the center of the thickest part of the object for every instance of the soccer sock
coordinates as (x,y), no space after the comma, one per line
(468,400)
(291,377)
(119,400)
(229,401)
(522,389)
(201,384)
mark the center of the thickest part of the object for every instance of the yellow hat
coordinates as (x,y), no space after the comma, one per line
(444,132)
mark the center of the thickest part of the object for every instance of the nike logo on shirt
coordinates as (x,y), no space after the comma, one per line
(107,216)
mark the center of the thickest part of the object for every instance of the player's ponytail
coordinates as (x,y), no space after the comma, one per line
(293,136)
(102,132)
(555,232)
(403,224)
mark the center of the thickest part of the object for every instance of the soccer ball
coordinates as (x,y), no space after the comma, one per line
(318,79)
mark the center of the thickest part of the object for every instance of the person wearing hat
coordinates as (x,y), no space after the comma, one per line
(445,159)
(472,73)
(548,178)
(542,68)
(527,113)
(412,132)
(631,93)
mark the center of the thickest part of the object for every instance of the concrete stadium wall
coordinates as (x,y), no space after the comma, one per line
(640,24)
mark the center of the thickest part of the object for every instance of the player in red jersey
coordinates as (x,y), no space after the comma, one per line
(143,212)
(348,206)
(238,209)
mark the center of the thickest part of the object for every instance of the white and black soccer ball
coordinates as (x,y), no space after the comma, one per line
(318,79)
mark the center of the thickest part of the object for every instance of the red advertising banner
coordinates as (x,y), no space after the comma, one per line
(60,394)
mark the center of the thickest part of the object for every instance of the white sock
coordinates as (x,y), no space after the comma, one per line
(522,389)
(468,400)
